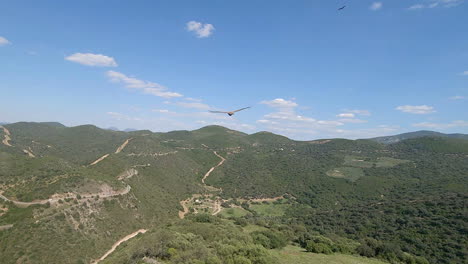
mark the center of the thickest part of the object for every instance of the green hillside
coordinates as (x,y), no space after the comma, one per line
(75,191)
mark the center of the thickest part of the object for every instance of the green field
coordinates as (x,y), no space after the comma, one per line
(389,162)
(233,212)
(348,173)
(270,209)
(365,162)
(297,255)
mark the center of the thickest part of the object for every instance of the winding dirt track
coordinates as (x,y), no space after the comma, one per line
(119,149)
(116,244)
(213,168)
(99,160)
(106,192)
(6,140)
(217,206)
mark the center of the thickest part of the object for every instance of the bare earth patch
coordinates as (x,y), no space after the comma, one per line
(6,140)
(116,244)
(119,149)
(99,160)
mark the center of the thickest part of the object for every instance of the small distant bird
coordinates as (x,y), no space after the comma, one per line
(230,113)
(341,8)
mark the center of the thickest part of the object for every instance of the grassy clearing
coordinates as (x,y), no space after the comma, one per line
(348,173)
(297,255)
(270,209)
(365,162)
(233,212)
(359,162)
(253,228)
(389,162)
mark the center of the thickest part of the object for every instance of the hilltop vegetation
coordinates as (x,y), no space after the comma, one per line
(402,203)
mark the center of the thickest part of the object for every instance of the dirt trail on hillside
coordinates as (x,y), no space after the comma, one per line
(99,160)
(119,149)
(213,168)
(106,191)
(116,244)
(29,152)
(267,199)
(186,209)
(217,205)
(5,227)
(6,140)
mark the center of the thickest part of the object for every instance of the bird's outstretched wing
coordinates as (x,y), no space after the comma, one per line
(218,112)
(240,109)
(341,8)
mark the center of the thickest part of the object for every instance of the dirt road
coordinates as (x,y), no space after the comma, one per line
(217,206)
(119,149)
(6,140)
(106,191)
(213,168)
(99,160)
(116,244)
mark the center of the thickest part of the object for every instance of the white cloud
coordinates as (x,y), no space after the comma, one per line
(144,86)
(416,7)
(202,30)
(457,123)
(359,112)
(280,103)
(457,97)
(4,41)
(346,115)
(376,6)
(196,105)
(416,109)
(350,117)
(465,73)
(352,120)
(161,111)
(90,59)
(436,3)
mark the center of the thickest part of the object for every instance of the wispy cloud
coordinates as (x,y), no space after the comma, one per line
(416,109)
(164,111)
(465,73)
(376,6)
(280,103)
(436,3)
(352,120)
(346,115)
(90,59)
(453,124)
(144,86)
(4,41)
(457,97)
(195,105)
(359,112)
(200,29)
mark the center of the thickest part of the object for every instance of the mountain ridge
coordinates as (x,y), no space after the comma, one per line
(217,128)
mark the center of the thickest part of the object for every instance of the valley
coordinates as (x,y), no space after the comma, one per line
(87,190)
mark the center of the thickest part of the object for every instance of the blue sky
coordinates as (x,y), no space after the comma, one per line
(308,70)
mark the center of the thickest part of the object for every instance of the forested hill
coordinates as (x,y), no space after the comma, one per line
(216,195)
(416,134)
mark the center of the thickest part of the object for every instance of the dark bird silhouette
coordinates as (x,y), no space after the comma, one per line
(341,8)
(230,113)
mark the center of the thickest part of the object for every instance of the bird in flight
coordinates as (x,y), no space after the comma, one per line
(230,113)
(341,8)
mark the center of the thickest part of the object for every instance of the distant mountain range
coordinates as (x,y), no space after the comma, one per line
(125,130)
(416,134)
